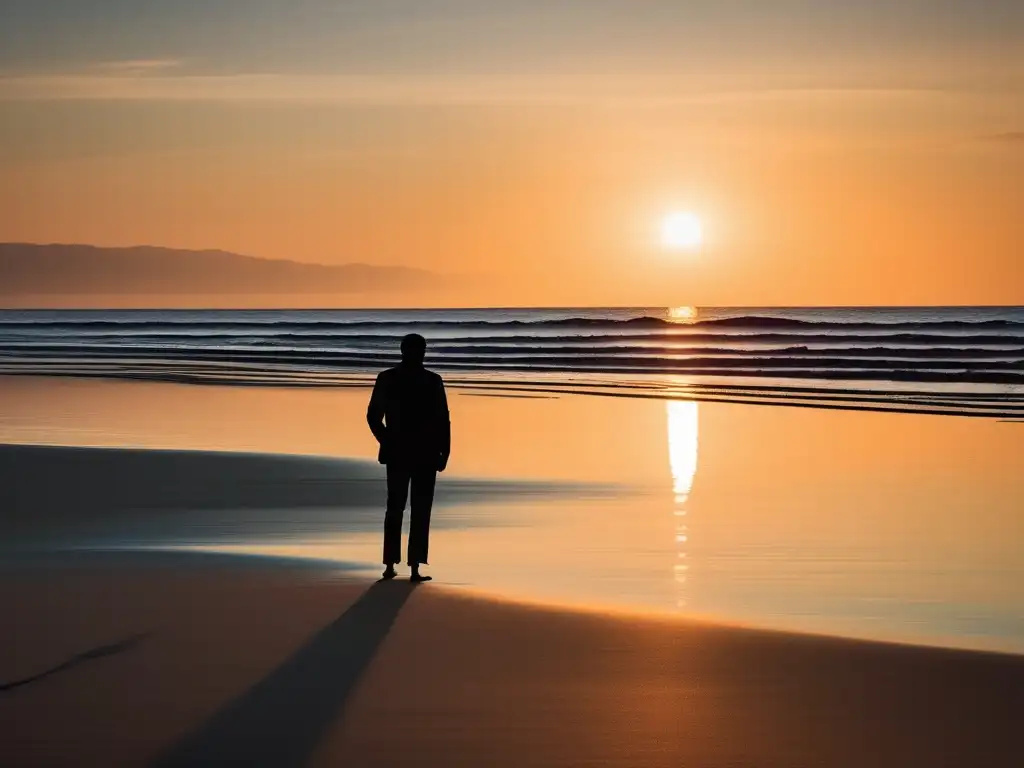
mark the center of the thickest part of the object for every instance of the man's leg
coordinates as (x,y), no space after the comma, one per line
(423,482)
(398,492)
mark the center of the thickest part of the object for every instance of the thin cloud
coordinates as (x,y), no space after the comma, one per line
(138,85)
(139,66)
(155,80)
(1009,137)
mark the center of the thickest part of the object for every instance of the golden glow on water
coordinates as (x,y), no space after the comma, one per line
(683,439)
(683,314)
(682,446)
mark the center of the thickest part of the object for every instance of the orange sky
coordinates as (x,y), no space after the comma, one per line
(837,164)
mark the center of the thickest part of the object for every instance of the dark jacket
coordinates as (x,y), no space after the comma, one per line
(408,414)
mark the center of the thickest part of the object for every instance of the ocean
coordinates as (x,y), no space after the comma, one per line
(954,360)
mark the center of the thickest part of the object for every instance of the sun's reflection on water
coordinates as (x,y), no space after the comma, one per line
(683,432)
(682,314)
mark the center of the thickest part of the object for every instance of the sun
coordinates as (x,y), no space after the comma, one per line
(682,231)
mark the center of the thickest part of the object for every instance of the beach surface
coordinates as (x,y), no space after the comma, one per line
(181,659)
(188,578)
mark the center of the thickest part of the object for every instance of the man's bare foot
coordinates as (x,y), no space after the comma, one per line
(390,572)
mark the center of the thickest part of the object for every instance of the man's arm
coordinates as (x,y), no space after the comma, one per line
(444,417)
(375,412)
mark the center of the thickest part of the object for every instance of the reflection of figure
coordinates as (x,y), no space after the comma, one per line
(408,414)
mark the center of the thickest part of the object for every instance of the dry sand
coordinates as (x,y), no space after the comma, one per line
(209,660)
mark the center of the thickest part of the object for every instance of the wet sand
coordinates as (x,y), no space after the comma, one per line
(202,660)
(69,497)
(879,526)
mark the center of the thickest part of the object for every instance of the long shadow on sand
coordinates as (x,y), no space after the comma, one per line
(281,720)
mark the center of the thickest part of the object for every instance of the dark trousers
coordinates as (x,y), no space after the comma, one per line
(400,478)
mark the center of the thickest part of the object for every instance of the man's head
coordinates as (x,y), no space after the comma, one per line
(414,349)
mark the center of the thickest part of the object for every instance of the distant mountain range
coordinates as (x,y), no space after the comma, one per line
(28,270)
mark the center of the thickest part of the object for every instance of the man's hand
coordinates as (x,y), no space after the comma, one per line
(384,453)
(442,462)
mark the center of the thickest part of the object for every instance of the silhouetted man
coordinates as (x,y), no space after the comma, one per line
(408,414)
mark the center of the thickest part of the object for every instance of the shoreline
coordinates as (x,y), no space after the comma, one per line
(853,393)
